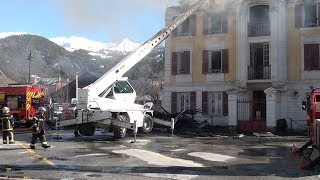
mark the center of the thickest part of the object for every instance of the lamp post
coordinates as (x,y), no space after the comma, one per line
(29,59)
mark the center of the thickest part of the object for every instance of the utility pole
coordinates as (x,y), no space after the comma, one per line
(29,59)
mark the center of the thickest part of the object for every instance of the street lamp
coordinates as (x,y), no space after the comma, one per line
(29,59)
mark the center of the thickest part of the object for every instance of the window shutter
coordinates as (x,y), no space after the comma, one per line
(307,56)
(193,100)
(225,104)
(174,64)
(298,15)
(315,57)
(173,102)
(225,22)
(205,25)
(205,68)
(193,25)
(225,60)
(186,62)
(175,31)
(204,102)
(318,15)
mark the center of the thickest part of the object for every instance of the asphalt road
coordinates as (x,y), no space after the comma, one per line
(152,156)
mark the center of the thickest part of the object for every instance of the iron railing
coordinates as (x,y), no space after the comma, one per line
(259,72)
(258,29)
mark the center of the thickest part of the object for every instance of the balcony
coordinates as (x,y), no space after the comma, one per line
(258,29)
(259,72)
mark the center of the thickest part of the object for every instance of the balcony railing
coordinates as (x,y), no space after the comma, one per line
(258,29)
(259,72)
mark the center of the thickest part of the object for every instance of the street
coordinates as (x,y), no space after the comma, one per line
(152,156)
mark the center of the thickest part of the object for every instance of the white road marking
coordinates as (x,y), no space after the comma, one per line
(94,154)
(140,141)
(157,159)
(211,156)
(170,176)
(177,150)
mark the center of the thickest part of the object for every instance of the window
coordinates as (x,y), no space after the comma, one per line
(215,102)
(122,87)
(181,62)
(187,28)
(307,14)
(183,101)
(310,15)
(311,57)
(215,23)
(215,61)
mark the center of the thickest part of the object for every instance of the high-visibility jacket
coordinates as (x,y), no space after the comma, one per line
(7,122)
(38,123)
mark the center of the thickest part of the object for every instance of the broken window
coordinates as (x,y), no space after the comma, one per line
(187,28)
(215,23)
(307,14)
(215,61)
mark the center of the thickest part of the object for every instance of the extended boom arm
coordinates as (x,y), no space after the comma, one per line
(127,63)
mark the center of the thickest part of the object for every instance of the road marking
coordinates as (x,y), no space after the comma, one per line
(35,154)
(94,154)
(157,159)
(211,156)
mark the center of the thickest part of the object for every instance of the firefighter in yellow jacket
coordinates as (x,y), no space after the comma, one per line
(38,129)
(7,122)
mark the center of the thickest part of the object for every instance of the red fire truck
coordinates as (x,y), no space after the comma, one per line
(23,101)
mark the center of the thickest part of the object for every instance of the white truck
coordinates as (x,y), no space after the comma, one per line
(109,101)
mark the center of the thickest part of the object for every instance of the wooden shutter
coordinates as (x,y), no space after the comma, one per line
(225,110)
(174,62)
(204,102)
(186,62)
(225,60)
(193,25)
(318,18)
(298,15)
(224,22)
(311,56)
(193,99)
(205,25)
(173,102)
(205,68)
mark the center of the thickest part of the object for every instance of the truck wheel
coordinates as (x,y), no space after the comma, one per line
(147,124)
(119,132)
(87,129)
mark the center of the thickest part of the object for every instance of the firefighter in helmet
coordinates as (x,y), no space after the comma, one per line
(38,129)
(7,122)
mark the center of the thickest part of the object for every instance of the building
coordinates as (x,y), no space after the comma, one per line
(245,64)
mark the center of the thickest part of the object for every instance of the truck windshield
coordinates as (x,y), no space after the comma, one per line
(122,87)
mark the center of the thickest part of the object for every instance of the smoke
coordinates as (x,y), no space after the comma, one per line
(108,15)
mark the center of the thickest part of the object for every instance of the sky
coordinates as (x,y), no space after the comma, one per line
(99,20)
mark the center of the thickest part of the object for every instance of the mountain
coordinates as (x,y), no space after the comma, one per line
(96,48)
(52,59)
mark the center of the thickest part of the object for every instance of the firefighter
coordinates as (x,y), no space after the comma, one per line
(38,129)
(7,122)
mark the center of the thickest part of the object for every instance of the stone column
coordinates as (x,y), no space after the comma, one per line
(233,110)
(272,95)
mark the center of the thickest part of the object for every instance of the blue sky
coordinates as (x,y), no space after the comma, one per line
(100,20)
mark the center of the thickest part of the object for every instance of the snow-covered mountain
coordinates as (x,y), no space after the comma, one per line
(96,48)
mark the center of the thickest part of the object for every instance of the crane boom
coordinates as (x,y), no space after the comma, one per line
(132,59)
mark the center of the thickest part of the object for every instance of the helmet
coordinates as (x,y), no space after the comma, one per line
(5,110)
(41,109)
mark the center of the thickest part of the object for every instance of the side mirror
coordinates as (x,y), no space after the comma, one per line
(304,105)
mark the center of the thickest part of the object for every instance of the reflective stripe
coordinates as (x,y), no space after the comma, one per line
(32,144)
(5,141)
(44,143)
